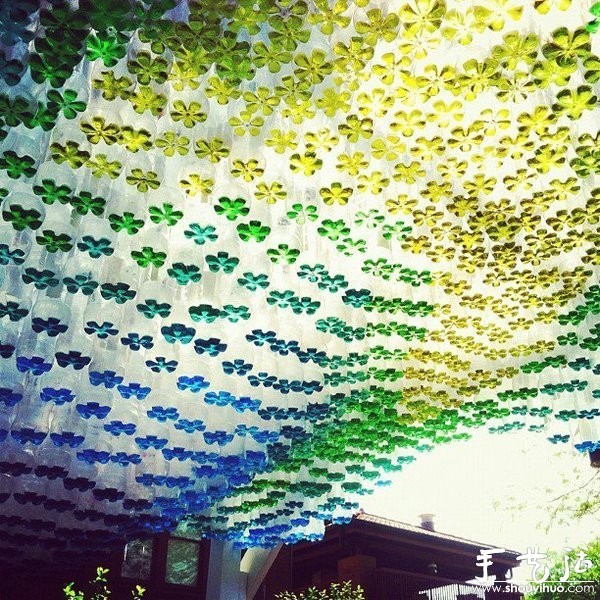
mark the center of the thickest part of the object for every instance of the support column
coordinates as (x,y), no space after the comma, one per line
(225,580)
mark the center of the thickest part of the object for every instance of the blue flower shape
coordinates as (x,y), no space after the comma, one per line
(294,432)
(177,453)
(66,438)
(101,330)
(311,354)
(217,437)
(50,473)
(163,414)
(220,398)
(151,441)
(262,378)
(193,384)
(28,435)
(109,379)
(190,426)
(134,342)
(58,396)
(246,403)
(259,337)
(283,386)
(51,326)
(146,479)
(6,350)
(137,505)
(7,256)
(92,409)
(13,311)
(178,332)
(91,456)
(151,308)
(266,436)
(72,359)
(80,283)
(160,363)
(116,428)
(40,279)
(34,365)
(212,346)
(238,366)
(110,494)
(268,413)
(123,459)
(135,390)
(312,386)
(10,398)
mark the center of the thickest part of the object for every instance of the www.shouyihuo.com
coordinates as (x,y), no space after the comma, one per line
(551,587)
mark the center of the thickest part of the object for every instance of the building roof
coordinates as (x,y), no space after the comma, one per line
(400,526)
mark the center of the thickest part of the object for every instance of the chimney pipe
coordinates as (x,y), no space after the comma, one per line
(427,521)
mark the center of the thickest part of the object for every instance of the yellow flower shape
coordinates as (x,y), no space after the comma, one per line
(408,173)
(495,14)
(480,184)
(248,170)
(515,88)
(336,194)
(355,128)
(446,112)
(419,16)
(222,90)
(307,164)
(464,138)
(435,191)
(548,157)
(545,6)
(413,90)
(378,27)
(281,141)
(333,100)
(353,164)
(270,193)
(298,109)
(400,204)
(460,26)
(491,121)
(313,68)
(427,148)
(429,217)
(322,139)
(374,183)
(406,122)
(391,67)
(195,185)
(416,245)
(389,148)
(420,44)
(376,103)
(261,100)
(452,168)
(476,77)
(353,56)
(245,123)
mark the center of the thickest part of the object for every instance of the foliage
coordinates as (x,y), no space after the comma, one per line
(557,570)
(334,592)
(98,589)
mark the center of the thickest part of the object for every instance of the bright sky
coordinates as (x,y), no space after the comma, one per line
(462,482)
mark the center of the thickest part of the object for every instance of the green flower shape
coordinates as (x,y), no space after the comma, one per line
(153,309)
(333,230)
(254,230)
(254,282)
(231,209)
(125,222)
(14,112)
(165,213)
(105,47)
(50,192)
(222,262)
(40,279)
(66,103)
(567,46)
(200,235)
(95,248)
(119,292)
(184,274)
(189,115)
(80,283)
(149,257)
(301,213)
(17,166)
(84,203)
(143,181)
(54,242)
(22,218)
(283,254)
(147,69)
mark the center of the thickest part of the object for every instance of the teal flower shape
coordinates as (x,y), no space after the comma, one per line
(199,234)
